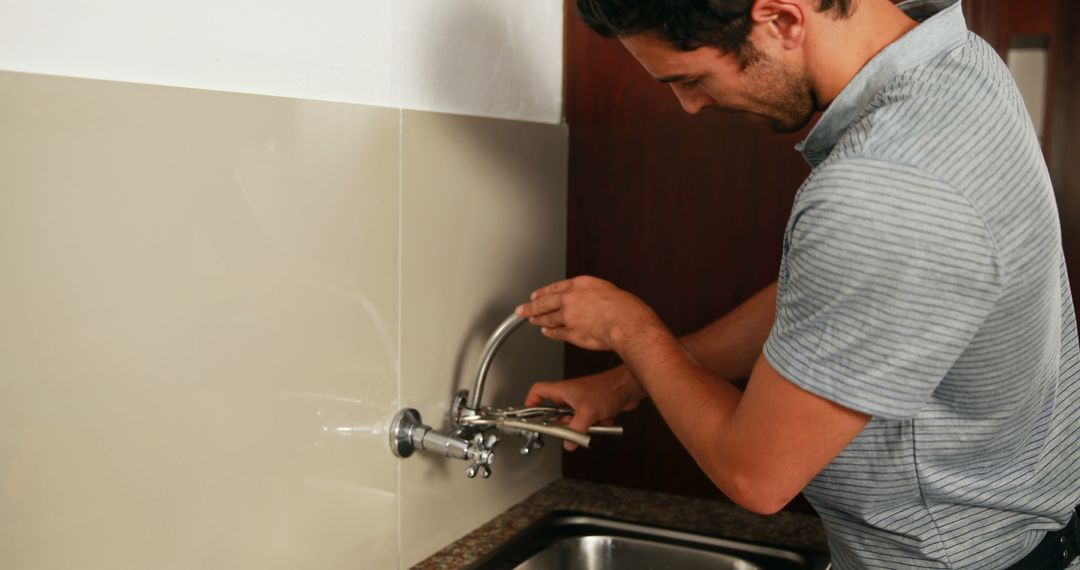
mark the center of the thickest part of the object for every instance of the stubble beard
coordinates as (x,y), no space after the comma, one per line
(787,101)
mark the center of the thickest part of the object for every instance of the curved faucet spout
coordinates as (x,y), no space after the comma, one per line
(494,342)
(472,437)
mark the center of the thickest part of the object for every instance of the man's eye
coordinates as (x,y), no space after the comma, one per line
(690,83)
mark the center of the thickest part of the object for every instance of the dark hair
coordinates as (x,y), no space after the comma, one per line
(687,24)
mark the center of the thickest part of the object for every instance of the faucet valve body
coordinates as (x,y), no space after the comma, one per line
(408,433)
(471,438)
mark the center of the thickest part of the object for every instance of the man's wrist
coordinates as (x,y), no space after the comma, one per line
(648,342)
(630,339)
(626,384)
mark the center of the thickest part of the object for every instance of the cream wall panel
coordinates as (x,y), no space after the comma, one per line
(198,342)
(499,58)
(484,223)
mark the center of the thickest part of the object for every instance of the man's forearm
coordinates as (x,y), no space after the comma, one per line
(760,447)
(730,346)
(696,403)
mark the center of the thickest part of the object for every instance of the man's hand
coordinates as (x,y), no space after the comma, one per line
(760,447)
(597,398)
(590,313)
(596,315)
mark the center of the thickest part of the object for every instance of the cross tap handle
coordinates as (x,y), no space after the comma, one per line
(482,452)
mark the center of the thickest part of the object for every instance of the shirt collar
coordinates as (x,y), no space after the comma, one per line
(942,29)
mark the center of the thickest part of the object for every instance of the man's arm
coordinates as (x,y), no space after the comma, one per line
(730,346)
(760,447)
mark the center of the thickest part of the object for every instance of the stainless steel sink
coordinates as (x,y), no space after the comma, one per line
(564,540)
(620,552)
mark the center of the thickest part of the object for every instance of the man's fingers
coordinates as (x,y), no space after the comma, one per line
(545,391)
(556,287)
(580,422)
(540,306)
(536,394)
(555,333)
(550,320)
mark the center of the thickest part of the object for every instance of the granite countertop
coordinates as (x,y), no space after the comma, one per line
(702,516)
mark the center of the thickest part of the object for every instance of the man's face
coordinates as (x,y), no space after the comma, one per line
(706,78)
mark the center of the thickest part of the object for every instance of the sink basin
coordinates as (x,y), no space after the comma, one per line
(567,539)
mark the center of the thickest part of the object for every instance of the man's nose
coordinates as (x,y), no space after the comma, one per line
(692,102)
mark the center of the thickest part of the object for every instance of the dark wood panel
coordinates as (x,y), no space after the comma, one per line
(1063,154)
(687,212)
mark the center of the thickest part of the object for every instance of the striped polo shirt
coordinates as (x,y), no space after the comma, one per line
(923,283)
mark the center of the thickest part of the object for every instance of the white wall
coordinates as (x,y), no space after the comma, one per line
(494,58)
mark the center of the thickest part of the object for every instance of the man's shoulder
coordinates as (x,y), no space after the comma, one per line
(884,192)
(944,109)
(870,173)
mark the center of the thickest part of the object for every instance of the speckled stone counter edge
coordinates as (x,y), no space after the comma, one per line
(684,513)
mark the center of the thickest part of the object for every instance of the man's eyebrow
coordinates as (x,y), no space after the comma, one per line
(672,78)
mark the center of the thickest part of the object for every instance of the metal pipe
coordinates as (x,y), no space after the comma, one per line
(494,342)
(428,439)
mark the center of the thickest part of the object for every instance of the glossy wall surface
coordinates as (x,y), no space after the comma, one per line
(212,305)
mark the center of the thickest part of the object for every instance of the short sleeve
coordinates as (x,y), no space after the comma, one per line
(888,274)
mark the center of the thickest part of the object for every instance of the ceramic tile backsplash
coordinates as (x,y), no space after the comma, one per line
(198,347)
(483,225)
(202,301)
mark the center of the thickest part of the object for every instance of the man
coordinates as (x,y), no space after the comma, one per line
(915,370)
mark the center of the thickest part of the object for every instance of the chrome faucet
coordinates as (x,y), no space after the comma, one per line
(494,342)
(471,438)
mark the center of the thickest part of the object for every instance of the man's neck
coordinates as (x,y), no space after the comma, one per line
(839,48)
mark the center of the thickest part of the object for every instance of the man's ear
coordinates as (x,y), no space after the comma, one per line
(783,20)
